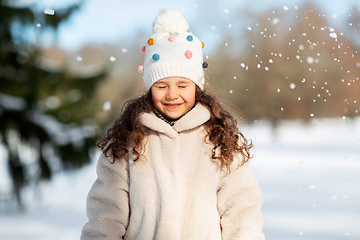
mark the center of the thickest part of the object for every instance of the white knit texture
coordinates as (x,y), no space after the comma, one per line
(170,20)
(172,60)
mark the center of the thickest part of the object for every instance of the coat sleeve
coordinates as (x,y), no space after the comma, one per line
(108,202)
(239,203)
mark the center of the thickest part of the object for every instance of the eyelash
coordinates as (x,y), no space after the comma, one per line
(162,87)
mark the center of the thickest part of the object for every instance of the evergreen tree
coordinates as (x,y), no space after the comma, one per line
(43,113)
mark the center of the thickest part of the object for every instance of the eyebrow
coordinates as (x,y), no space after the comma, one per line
(184,82)
(159,82)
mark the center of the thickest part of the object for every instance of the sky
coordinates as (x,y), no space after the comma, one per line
(112,20)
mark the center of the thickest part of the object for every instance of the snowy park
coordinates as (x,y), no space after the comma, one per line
(309,174)
(290,69)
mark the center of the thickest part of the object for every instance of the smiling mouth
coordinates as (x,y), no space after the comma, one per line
(174,105)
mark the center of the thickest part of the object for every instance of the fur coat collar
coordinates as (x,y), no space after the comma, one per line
(194,118)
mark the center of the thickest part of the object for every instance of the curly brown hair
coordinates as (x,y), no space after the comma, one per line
(127,133)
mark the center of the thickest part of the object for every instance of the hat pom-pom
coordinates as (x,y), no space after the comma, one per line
(170,20)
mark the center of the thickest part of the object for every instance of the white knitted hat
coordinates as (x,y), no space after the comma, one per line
(172,51)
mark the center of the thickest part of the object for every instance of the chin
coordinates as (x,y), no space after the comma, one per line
(173,118)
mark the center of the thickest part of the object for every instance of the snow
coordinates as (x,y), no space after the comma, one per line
(333,35)
(107,106)
(310,60)
(309,174)
(49,11)
(300,172)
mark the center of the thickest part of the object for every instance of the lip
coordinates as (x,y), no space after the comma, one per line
(173,105)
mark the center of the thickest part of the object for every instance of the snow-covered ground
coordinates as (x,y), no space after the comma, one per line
(309,175)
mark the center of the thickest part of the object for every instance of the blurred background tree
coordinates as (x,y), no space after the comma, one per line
(289,65)
(46,111)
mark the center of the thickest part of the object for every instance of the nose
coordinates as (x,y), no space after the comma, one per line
(172,94)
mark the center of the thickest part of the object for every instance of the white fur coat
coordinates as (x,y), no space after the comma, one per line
(177,192)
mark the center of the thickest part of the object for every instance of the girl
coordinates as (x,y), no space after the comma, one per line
(174,164)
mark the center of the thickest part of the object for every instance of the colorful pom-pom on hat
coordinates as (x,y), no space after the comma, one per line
(141,69)
(150,41)
(156,57)
(205,65)
(172,38)
(172,51)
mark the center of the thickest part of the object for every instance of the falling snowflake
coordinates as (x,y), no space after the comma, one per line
(275,21)
(49,11)
(333,35)
(107,106)
(310,60)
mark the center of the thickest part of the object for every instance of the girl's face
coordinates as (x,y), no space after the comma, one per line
(173,97)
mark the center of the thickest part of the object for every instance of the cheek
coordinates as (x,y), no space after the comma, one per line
(190,97)
(156,97)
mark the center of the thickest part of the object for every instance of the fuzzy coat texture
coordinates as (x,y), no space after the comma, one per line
(177,192)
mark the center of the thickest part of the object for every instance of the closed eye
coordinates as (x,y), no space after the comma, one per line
(184,85)
(160,86)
